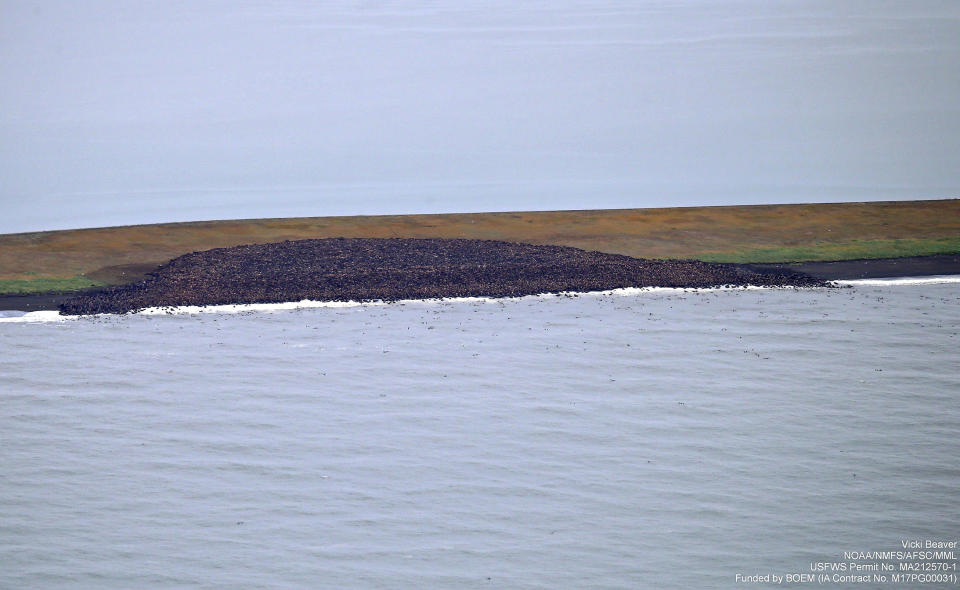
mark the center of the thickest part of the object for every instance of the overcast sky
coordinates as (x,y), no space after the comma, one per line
(138,112)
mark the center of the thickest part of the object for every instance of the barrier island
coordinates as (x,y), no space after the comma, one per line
(39,270)
(392,269)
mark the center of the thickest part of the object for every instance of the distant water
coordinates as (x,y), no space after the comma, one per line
(660,439)
(114,112)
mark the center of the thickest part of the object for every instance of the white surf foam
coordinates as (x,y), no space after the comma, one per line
(53,316)
(48,316)
(931,280)
(35,316)
(306,303)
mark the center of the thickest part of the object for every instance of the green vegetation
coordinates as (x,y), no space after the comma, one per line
(45,285)
(861,249)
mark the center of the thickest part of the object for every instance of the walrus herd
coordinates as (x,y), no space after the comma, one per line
(391,269)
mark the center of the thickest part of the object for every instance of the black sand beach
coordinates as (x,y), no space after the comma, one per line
(915,266)
(366,269)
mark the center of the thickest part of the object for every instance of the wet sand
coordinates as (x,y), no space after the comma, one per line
(35,302)
(916,266)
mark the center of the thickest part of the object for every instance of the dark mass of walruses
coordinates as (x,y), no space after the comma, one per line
(367,269)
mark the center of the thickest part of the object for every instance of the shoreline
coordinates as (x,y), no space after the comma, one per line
(917,266)
(247,308)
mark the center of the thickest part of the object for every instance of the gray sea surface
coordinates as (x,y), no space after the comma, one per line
(663,439)
(115,112)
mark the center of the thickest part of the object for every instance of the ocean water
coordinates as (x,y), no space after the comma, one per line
(638,439)
(114,112)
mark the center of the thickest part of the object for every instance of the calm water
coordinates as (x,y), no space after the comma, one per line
(113,112)
(663,439)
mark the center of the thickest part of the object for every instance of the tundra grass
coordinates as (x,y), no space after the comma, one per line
(45,285)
